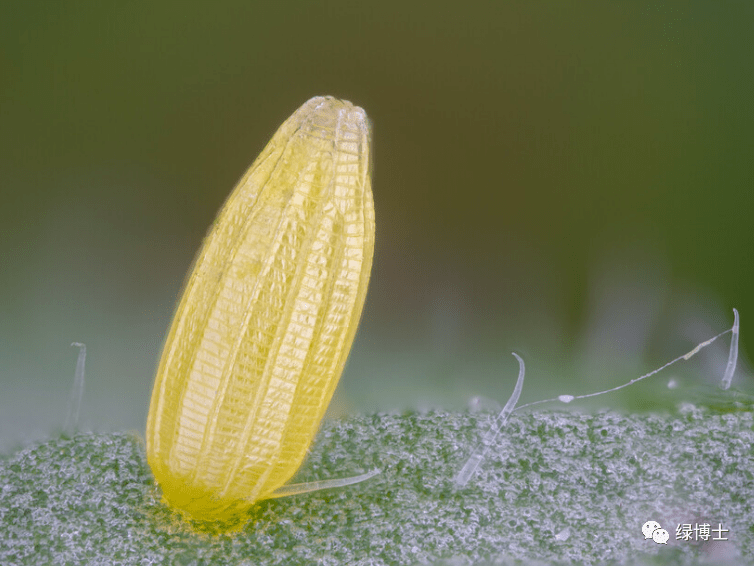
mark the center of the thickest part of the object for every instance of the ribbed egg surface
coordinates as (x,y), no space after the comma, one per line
(267,317)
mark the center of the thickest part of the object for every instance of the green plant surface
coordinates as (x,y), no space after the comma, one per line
(554,488)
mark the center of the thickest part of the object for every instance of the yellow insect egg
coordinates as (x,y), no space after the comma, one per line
(267,318)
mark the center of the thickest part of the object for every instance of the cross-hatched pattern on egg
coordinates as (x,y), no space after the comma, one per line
(267,317)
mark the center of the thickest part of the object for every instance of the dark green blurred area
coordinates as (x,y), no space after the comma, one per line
(572,182)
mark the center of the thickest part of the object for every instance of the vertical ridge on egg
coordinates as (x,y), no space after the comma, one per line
(267,318)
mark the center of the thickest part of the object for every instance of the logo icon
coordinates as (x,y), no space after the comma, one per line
(653,530)
(660,536)
(649,527)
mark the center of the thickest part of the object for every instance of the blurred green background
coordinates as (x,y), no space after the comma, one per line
(572,181)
